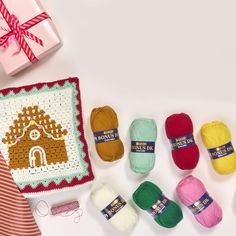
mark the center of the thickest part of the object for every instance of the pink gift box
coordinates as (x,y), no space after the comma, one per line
(27,34)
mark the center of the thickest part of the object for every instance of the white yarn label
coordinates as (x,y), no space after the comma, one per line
(114,207)
(157,209)
(201,204)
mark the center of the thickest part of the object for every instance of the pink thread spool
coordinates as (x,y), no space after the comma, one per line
(193,194)
(65,207)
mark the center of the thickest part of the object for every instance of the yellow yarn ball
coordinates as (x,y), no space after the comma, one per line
(214,135)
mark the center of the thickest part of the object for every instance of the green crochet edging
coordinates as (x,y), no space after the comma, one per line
(75,102)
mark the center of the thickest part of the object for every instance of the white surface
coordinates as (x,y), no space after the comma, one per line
(146,58)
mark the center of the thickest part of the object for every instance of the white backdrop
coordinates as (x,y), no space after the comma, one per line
(145,58)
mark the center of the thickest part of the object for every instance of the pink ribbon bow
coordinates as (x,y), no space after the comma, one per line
(20,31)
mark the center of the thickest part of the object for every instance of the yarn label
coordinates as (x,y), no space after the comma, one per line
(106,136)
(221,151)
(114,207)
(201,204)
(182,142)
(142,147)
(159,206)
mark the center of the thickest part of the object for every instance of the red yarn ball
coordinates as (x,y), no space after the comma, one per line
(179,125)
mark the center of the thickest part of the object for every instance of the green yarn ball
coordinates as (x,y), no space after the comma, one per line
(147,195)
(142,130)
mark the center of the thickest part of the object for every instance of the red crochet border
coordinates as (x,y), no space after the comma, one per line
(64,183)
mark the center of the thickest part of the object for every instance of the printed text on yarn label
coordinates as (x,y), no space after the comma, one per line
(201,204)
(114,207)
(159,206)
(182,142)
(221,151)
(106,136)
(142,147)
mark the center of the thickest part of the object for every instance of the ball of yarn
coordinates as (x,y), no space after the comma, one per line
(149,197)
(125,219)
(142,154)
(191,192)
(217,139)
(185,152)
(105,119)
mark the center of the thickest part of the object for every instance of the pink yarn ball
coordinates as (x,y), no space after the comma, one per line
(190,190)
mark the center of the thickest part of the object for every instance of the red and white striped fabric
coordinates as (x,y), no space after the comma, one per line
(16,218)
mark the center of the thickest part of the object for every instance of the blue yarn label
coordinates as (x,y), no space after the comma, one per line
(221,151)
(201,204)
(106,136)
(142,147)
(182,142)
(159,206)
(114,207)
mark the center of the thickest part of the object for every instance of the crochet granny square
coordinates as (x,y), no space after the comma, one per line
(42,137)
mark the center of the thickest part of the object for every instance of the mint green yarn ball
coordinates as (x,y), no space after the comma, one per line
(142,130)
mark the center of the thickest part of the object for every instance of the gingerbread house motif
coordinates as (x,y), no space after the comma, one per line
(35,140)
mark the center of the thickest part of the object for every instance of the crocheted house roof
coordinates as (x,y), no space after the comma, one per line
(33,115)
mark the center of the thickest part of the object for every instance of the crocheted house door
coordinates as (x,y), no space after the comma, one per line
(32,156)
(35,140)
